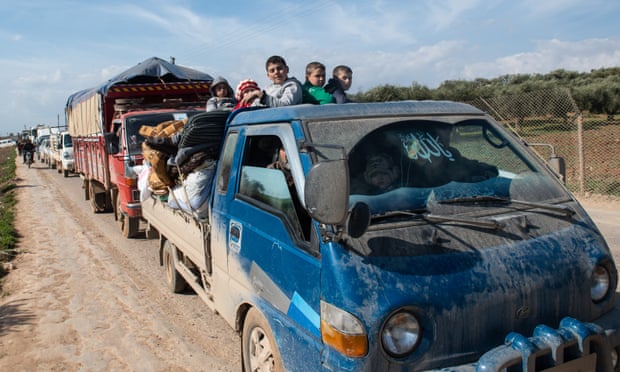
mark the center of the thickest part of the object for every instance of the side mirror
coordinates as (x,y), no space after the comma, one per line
(111,143)
(559,167)
(326,191)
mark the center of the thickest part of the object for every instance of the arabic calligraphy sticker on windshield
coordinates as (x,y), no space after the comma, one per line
(423,146)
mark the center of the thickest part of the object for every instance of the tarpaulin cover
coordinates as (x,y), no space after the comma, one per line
(152,70)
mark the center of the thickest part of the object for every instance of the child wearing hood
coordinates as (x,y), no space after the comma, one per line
(245,94)
(222,96)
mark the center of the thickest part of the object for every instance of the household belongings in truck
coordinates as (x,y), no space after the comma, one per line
(181,158)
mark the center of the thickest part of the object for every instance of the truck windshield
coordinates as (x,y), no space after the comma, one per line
(67,140)
(418,164)
(133,123)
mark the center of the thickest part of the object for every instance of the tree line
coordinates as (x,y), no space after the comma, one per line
(597,91)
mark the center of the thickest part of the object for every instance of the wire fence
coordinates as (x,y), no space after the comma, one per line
(551,122)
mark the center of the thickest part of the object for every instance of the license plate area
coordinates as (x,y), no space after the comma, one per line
(583,364)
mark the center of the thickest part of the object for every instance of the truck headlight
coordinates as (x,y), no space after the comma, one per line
(401,334)
(343,331)
(599,283)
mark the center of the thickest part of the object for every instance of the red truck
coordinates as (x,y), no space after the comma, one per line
(104,123)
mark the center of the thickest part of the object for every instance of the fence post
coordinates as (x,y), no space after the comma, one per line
(582,172)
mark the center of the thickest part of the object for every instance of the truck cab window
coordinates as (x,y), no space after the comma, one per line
(267,180)
(226,162)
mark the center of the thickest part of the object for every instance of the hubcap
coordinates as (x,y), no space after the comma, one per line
(261,355)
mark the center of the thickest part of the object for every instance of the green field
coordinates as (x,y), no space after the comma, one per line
(8,235)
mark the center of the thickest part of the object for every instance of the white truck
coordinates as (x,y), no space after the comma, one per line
(63,154)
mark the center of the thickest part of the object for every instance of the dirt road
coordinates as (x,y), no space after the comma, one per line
(82,298)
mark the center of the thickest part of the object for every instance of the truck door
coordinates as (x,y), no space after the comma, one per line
(272,262)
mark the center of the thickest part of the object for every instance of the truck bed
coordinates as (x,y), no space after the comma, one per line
(179,227)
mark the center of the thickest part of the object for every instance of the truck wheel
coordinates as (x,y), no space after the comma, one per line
(176,282)
(129,225)
(259,348)
(97,200)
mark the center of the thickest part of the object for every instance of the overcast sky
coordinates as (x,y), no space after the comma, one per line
(51,49)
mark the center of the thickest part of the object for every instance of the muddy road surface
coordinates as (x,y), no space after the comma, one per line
(82,298)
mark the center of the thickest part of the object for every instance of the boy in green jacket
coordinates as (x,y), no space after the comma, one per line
(312,90)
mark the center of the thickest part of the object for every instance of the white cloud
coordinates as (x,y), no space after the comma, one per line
(546,7)
(551,55)
(440,15)
(10,36)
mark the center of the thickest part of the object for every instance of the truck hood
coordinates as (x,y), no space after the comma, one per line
(469,287)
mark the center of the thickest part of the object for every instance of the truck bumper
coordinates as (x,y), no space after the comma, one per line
(69,165)
(573,346)
(134,210)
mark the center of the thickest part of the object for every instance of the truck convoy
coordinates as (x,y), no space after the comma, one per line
(104,124)
(393,236)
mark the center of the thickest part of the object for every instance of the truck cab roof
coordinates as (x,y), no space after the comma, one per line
(350,110)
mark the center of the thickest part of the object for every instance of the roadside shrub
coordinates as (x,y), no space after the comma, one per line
(7,206)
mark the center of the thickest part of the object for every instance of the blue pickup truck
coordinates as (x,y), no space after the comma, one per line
(397,236)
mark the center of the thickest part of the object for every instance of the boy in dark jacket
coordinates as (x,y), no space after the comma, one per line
(340,83)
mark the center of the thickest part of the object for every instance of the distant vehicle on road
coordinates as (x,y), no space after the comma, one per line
(7,142)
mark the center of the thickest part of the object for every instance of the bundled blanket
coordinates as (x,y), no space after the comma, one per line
(182,156)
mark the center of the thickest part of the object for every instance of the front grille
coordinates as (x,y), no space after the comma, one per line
(573,346)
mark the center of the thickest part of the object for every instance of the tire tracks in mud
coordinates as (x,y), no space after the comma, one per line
(88,304)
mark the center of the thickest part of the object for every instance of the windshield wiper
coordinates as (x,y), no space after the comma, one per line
(475,199)
(436,218)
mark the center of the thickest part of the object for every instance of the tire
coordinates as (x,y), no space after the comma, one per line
(129,225)
(97,200)
(176,283)
(258,346)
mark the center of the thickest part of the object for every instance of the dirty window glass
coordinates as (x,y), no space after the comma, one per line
(134,140)
(267,179)
(226,162)
(407,164)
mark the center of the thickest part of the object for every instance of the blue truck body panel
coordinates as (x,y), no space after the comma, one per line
(499,271)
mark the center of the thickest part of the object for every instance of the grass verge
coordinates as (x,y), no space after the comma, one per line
(8,235)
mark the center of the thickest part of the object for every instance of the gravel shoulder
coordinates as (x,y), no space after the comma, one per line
(80,297)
